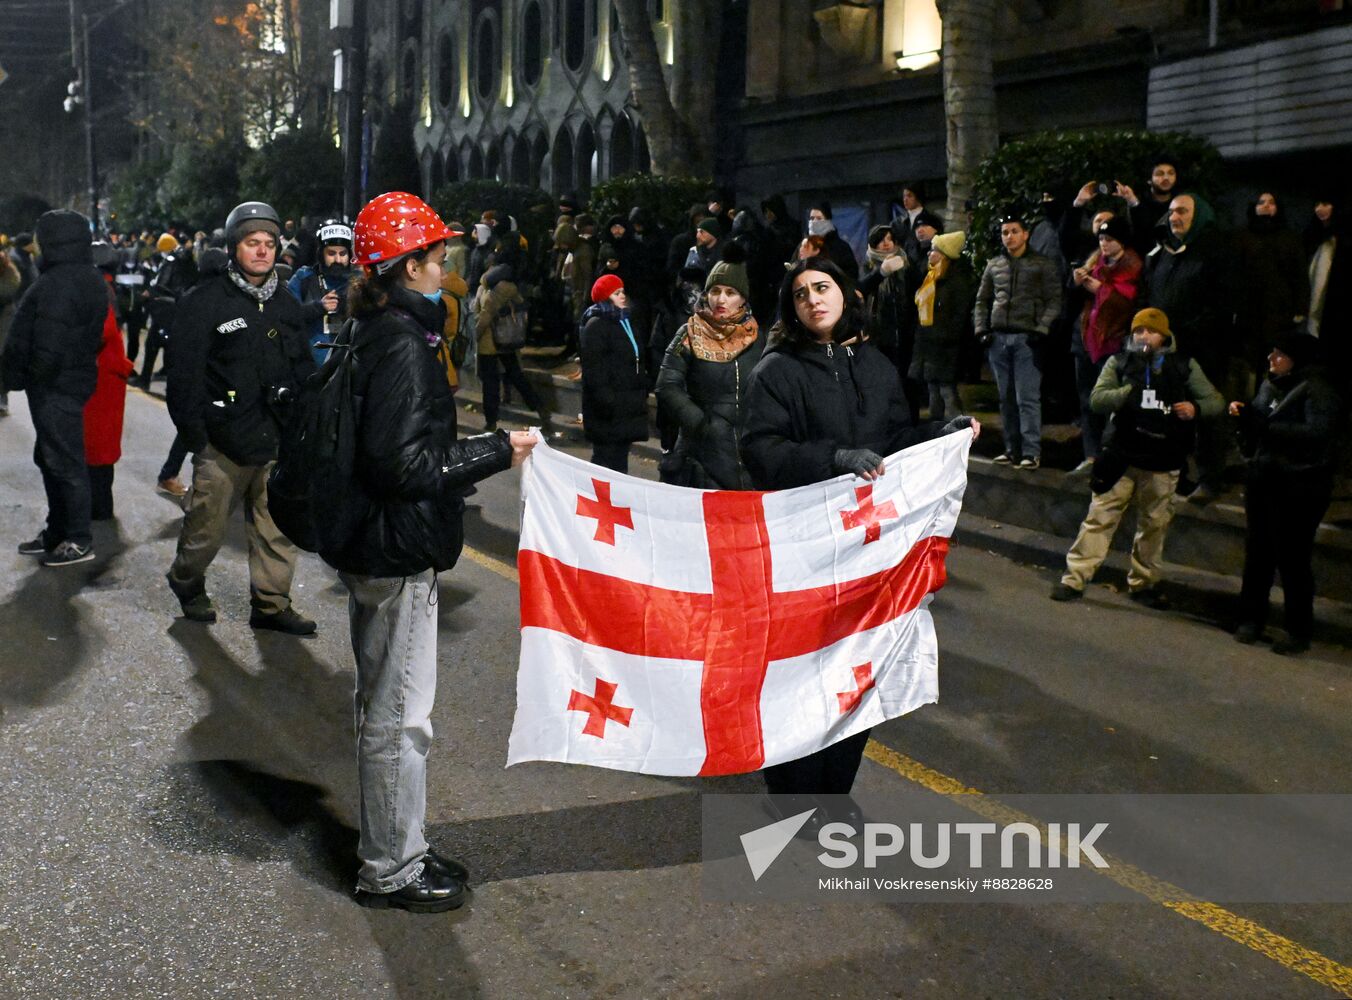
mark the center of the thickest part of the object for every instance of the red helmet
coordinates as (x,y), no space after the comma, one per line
(395,224)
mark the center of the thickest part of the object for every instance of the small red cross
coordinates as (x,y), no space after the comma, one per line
(599,707)
(863,680)
(868,515)
(607,515)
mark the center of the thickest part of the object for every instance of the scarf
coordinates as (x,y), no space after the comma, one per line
(259,293)
(712,339)
(924,298)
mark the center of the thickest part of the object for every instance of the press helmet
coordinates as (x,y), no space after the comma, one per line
(334,233)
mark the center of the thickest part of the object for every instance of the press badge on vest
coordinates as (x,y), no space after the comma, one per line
(232,325)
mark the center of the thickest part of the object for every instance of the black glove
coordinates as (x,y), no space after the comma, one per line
(961,423)
(859,461)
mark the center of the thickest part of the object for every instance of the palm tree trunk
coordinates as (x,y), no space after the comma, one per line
(969,96)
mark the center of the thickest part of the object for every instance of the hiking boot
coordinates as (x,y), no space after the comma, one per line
(287,621)
(68,554)
(37,547)
(198,608)
(172,487)
(1065,592)
(1151,598)
(1028,464)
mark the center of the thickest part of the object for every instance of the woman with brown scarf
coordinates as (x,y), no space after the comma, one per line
(703,383)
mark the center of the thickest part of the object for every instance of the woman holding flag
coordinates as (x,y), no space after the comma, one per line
(824,402)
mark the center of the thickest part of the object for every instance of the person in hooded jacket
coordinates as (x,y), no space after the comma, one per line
(52,354)
(175,273)
(614,385)
(321,287)
(1287,435)
(824,401)
(819,223)
(704,379)
(889,285)
(237,355)
(104,412)
(943,305)
(498,296)
(1274,280)
(406,500)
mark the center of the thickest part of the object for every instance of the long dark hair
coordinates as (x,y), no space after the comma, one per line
(790,330)
(369,292)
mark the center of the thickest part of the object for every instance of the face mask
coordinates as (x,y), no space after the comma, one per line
(432,297)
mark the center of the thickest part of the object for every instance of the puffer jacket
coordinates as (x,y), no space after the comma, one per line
(806,400)
(1017,295)
(708,398)
(57,330)
(410,467)
(230,362)
(1289,428)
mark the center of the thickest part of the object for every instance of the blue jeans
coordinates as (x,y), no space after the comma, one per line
(59,454)
(1019,381)
(394,640)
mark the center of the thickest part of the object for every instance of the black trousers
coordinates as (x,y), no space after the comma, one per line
(611,456)
(494,369)
(1282,515)
(827,772)
(60,456)
(101,492)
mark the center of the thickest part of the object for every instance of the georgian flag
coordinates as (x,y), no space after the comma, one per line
(677,631)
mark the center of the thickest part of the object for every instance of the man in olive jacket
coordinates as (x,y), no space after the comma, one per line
(237,355)
(1019,298)
(51,354)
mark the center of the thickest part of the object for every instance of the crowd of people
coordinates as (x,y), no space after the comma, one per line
(778,356)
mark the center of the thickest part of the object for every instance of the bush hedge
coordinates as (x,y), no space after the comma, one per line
(533,209)
(667,200)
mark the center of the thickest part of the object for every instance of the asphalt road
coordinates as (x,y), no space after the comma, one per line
(179,800)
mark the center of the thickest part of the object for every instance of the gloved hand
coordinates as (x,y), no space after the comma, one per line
(859,461)
(893,264)
(957,424)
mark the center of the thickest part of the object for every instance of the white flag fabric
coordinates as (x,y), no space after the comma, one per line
(677,631)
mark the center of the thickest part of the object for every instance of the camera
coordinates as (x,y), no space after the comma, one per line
(1104,188)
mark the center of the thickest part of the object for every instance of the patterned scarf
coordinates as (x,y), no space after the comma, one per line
(259,293)
(712,339)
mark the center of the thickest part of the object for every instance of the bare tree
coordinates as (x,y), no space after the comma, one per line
(969,95)
(676,102)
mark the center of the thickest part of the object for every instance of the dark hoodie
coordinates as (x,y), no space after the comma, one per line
(57,333)
(1275,282)
(807,399)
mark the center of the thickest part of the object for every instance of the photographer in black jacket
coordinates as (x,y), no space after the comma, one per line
(237,354)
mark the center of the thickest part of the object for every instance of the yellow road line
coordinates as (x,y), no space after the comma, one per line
(1282,950)
(504,570)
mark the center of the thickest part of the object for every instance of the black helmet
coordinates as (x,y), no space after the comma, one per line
(104,255)
(251,216)
(334,232)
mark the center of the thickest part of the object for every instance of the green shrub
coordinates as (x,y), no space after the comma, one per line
(136,196)
(667,200)
(298,174)
(202,183)
(465,201)
(1062,162)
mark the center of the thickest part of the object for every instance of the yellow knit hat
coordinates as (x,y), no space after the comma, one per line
(950,244)
(167,243)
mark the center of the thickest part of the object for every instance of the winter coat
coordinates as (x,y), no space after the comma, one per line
(1290,427)
(104,411)
(1105,321)
(495,295)
(614,386)
(309,285)
(708,399)
(807,399)
(890,299)
(1193,284)
(935,356)
(231,362)
(841,255)
(1149,223)
(1143,432)
(584,263)
(1017,295)
(1275,284)
(453,289)
(410,469)
(176,274)
(57,330)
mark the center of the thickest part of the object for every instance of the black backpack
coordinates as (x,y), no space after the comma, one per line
(312,495)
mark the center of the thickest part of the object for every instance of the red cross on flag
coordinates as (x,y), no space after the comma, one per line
(679,631)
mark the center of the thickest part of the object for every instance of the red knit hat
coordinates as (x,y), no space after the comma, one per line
(606,286)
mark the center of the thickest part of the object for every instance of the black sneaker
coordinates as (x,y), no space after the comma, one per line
(37,547)
(68,554)
(1065,592)
(434,891)
(1151,598)
(1248,633)
(287,621)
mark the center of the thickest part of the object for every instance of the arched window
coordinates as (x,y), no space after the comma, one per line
(493,161)
(408,75)
(476,163)
(539,152)
(642,158)
(532,43)
(486,57)
(562,161)
(621,147)
(585,159)
(448,70)
(577,24)
(452,167)
(520,172)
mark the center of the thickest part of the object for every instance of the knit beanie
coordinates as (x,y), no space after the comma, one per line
(606,286)
(167,243)
(1299,346)
(710,226)
(1117,228)
(731,275)
(950,244)
(1152,319)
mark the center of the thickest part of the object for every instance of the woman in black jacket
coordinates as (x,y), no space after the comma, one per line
(823,401)
(410,474)
(614,387)
(1287,434)
(704,379)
